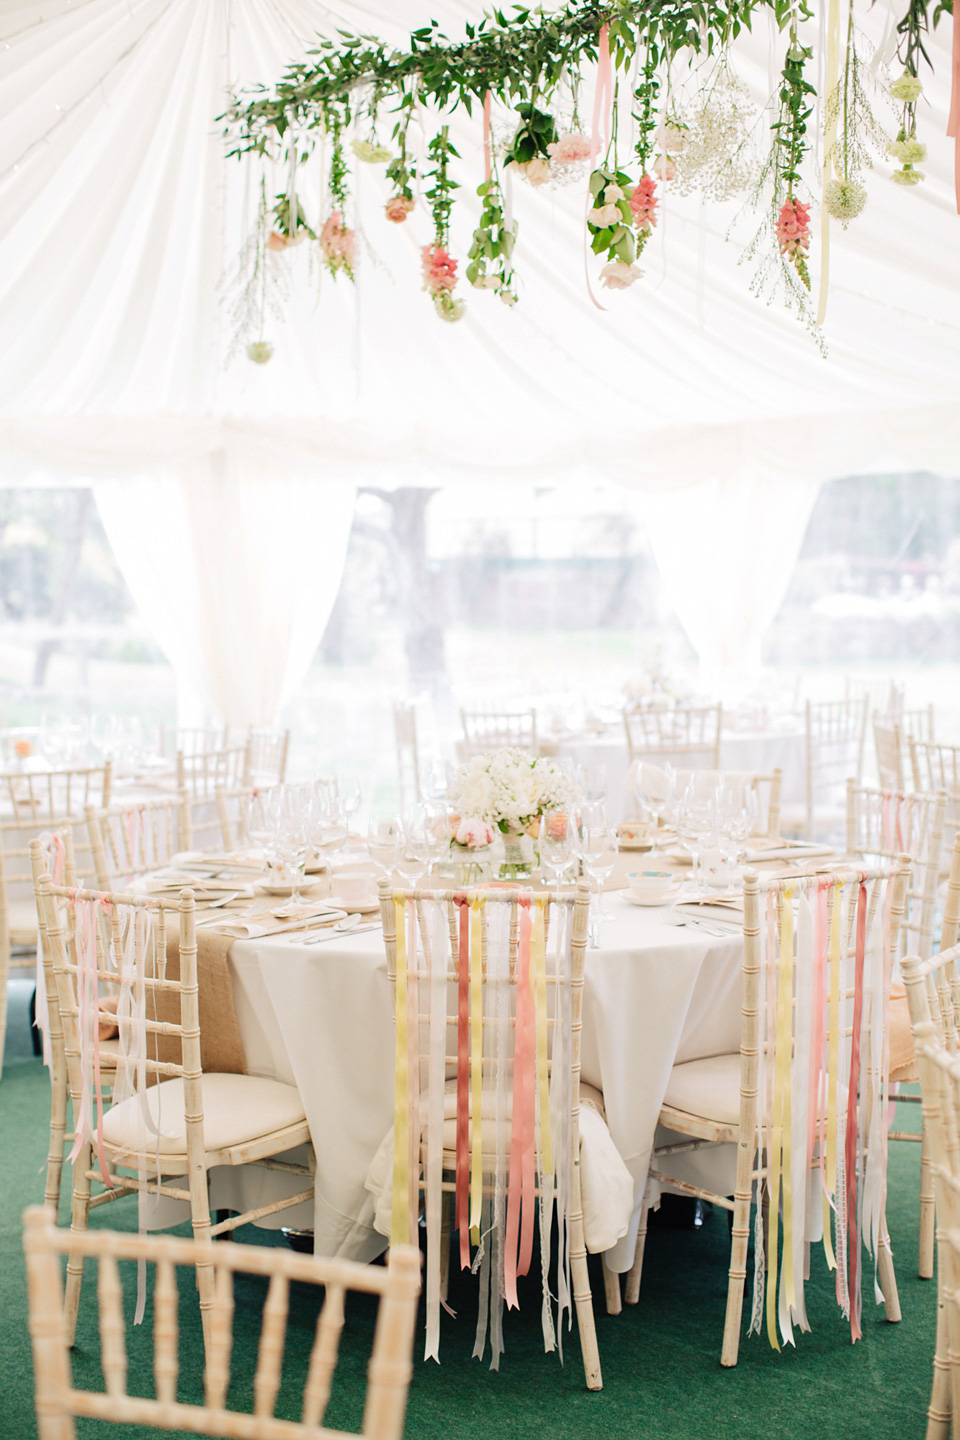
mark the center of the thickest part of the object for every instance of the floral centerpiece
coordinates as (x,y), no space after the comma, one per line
(504,793)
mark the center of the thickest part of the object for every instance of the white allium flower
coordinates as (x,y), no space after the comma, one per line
(259,351)
(906,88)
(845,199)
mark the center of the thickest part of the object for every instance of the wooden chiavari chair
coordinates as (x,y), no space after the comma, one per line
(937,767)
(205,771)
(485,730)
(687,735)
(933,994)
(397,1286)
(128,841)
(476,980)
(889,750)
(753,1098)
(191,739)
(836,732)
(32,803)
(267,754)
(200,1120)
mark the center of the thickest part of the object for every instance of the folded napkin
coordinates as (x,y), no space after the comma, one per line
(789,850)
(253,927)
(714,907)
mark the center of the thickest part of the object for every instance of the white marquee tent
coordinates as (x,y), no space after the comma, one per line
(227,488)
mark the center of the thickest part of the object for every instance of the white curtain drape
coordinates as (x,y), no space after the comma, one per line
(726,549)
(235,569)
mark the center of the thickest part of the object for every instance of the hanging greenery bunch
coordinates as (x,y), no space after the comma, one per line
(858,133)
(528,63)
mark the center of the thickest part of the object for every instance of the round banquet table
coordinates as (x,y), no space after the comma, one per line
(321,1017)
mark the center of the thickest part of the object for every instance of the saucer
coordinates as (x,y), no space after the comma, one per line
(367,909)
(270,887)
(653,904)
(637,844)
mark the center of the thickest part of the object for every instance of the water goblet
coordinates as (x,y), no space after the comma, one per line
(559,843)
(383,844)
(599,851)
(654,786)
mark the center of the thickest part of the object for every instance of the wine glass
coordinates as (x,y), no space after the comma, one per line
(654,786)
(599,851)
(383,844)
(697,816)
(330,834)
(350,795)
(291,842)
(592,779)
(427,834)
(559,842)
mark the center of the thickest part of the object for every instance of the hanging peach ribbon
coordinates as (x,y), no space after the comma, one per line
(604,92)
(953,122)
(476,1065)
(521,1181)
(400,1210)
(487,153)
(463,1081)
(850,1147)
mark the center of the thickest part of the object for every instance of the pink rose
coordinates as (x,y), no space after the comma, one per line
(570,149)
(397,208)
(474,832)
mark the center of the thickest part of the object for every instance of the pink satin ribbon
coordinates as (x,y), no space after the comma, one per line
(521,1181)
(463,1083)
(487,157)
(953,122)
(86,933)
(850,1147)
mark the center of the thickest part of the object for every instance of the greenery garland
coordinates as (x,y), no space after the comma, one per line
(520,61)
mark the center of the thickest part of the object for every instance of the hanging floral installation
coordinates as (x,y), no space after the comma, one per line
(668,111)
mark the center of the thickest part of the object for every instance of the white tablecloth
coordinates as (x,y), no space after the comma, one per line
(321,1017)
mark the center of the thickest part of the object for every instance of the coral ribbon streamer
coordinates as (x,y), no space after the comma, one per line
(400,1210)
(487,157)
(463,1082)
(476,1067)
(953,123)
(850,1147)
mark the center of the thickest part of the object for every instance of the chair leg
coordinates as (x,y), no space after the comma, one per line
(739,1244)
(78,1223)
(611,1288)
(632,1288)
(886,1275)
(58,1130)
(927,1210)
(940,1407)
(582,1298)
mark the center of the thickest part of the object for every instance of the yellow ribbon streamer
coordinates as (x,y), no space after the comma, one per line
(400,1210)
(476,1066)
(538,979)
(780,1116)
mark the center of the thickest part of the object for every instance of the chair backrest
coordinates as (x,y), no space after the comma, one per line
(267,752)
(836,732)
(937,767)
(16,874)
(818,956)
(203,772)
(232,808)
(131,840)
(884,697)
(488,1006)
(58,1400)
(192,739)
(884,824)
(888,745)
(921,724)
(45,797)
(689,732)
(497,729)
(408,754)
(116,939)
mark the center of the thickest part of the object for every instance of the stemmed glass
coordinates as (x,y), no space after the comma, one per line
(697,816)
(559,843)
(383,844)
(599,851)
(331,829)
(654,785)
(291,841)
(350,795)
(738,812)
(427,834)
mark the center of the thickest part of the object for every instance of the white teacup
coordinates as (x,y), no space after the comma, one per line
(356,887)
(651,886)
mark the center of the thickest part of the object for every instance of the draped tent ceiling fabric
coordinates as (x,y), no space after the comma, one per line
(121,224)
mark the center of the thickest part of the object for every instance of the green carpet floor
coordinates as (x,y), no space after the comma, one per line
(661,1371)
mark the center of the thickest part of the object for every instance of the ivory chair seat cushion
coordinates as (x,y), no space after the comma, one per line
(606,1184)
(708,1089)
(237,1109)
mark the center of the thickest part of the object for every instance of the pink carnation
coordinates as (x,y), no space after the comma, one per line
(337,242)
(397,208)
(439,269)
(570,149)
(643,203)
(793,227)
(474,832)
